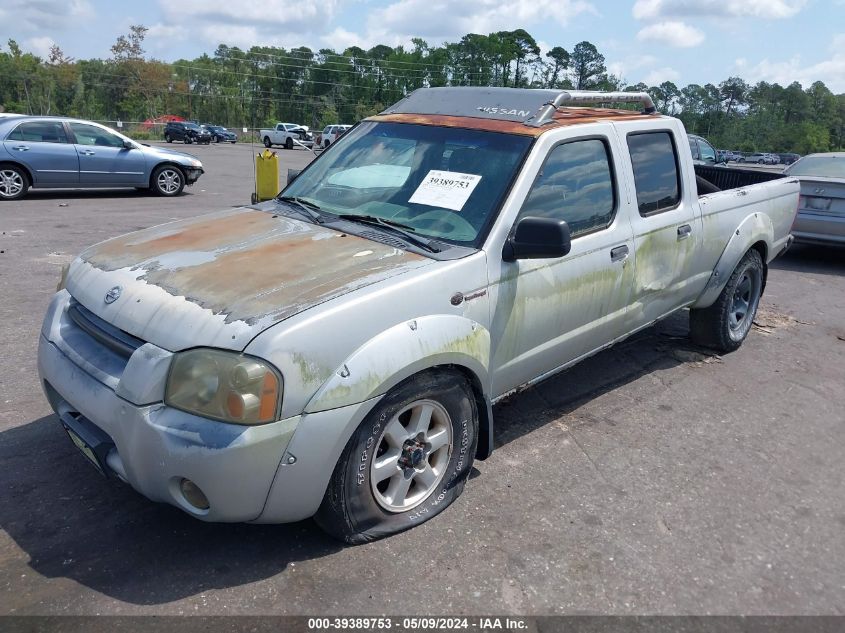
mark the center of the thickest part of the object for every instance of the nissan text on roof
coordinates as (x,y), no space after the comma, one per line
(336,352)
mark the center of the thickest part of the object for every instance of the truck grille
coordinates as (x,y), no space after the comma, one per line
(105,334)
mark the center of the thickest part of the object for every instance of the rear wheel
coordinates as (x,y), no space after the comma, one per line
(406,463)
(168,181)
(167,138)
(724,325)
(14,182)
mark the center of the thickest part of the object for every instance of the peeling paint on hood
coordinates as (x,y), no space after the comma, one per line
(220,279)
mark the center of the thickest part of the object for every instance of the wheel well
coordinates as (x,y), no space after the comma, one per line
(23,168)
(761,248)
(166,164)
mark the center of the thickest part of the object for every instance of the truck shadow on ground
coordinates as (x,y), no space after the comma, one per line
(74,524)
(812,258)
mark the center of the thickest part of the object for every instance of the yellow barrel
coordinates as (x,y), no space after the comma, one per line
(267,175)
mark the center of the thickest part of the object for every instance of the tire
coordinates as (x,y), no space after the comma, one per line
(167,138)
(267,142)
(289,143)
(216,139)
(724,325)
(326,144)
(14,182)
(356,511)
(188,140)
(167,181)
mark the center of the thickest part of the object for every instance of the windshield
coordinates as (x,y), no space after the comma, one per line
(192,126)
(445,183)
(825,166)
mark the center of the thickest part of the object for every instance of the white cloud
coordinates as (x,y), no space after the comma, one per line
(659,75)
(630,64)
(39,46)
(672,33)
(438,20)
(765,9)
(831,71)
(31,16)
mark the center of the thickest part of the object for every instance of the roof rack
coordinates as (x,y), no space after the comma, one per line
(530,106)
(589,97)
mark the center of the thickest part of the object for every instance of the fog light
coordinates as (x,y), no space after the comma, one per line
(193,494)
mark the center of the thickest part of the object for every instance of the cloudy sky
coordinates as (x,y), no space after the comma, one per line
(685,41)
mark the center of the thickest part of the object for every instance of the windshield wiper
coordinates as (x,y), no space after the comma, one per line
(306,206)
(396,227)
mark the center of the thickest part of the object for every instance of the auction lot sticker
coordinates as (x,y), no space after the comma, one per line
(445,189)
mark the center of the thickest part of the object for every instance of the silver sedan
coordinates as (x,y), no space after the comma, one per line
(53,152)
(821,209)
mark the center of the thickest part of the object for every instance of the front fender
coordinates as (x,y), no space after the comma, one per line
(757,227)
(401,351)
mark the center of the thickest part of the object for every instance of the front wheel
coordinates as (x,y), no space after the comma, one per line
(168,181)
(724,325)
(407,461)
(14,183)
(289,143)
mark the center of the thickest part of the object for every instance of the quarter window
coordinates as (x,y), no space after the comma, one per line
(576,185)
(39,132)
(656,174)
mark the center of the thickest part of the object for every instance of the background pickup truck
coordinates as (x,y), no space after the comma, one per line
(287,134)
(336,352)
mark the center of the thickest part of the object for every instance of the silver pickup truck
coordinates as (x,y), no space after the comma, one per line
(336,352)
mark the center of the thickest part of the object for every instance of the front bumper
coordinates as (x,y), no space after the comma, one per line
(156,446)
(192,174)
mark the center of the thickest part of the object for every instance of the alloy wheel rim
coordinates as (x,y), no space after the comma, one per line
(744,302)
(169,181)
(412,456)
(11,183)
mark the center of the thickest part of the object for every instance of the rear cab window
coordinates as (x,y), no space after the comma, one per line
(657,176)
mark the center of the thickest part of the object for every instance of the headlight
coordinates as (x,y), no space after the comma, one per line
(195,163)
(224,386)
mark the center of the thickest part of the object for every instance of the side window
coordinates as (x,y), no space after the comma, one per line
(693,147)
(576,185)
(92,135)
(40,132)
(708,154)
(656,175)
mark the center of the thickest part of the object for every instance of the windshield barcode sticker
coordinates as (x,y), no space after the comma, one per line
(445,189)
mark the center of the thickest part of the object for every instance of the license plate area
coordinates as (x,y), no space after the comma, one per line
(91,441)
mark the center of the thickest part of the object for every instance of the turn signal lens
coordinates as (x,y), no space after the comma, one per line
(224,386)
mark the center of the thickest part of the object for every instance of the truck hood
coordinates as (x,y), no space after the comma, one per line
(218,280)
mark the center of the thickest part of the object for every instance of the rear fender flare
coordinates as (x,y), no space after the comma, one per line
(757,227)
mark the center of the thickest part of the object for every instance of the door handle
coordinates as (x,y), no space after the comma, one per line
(618,254)
(684,231)
(87,152)
(21,148)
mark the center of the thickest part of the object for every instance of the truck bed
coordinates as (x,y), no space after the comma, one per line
(732,178)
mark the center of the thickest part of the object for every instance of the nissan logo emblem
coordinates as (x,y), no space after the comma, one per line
(113,294)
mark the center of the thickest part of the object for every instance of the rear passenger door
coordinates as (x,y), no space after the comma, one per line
(43,148)
(665,226)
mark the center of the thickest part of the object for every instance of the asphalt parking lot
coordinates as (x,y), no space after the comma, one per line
(652,478)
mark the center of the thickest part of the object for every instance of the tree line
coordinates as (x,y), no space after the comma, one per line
(265,84)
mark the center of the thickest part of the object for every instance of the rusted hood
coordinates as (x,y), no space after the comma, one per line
(220,279)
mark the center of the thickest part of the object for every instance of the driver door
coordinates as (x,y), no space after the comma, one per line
(104,161)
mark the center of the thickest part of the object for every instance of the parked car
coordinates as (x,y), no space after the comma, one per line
(220,134)
(759,158)
(55,152)
(337,351)
(331,134)
(788,158)
(821,210)
(187,132)
(702,151)
(287,134)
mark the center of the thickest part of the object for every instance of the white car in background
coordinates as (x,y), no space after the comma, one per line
(331,134)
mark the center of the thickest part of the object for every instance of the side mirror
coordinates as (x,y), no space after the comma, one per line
(537,238)
(128,145)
